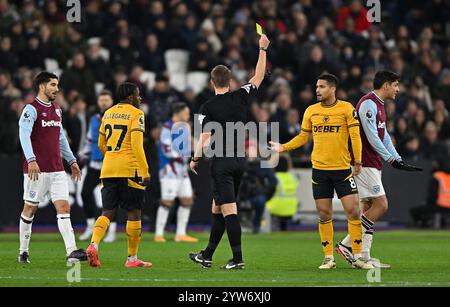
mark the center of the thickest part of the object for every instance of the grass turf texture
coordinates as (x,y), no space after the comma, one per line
(418,258)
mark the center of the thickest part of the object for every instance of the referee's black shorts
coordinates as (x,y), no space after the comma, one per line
(324,182)
(226,173)
(117,194)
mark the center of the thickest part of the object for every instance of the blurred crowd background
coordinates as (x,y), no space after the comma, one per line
(169,47)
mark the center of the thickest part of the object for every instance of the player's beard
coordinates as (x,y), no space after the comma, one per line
(51,96)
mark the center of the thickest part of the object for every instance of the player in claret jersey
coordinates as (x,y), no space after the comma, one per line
(43,142)
(377,146)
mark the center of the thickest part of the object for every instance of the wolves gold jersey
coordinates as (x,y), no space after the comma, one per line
(121,142)
(331,127)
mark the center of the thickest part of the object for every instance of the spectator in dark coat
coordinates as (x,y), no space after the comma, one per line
(151,56)
(79,77)
(8,59)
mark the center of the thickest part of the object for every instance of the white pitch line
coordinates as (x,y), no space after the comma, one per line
(406,283)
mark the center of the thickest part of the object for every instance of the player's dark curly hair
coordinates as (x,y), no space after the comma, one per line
(43,78)
(383,76)
(125,90)
(330,78)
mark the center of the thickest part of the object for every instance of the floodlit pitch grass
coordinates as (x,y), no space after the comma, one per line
(418,258)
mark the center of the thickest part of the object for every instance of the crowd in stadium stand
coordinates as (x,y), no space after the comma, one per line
(129,40)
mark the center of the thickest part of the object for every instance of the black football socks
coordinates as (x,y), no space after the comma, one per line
(217,230)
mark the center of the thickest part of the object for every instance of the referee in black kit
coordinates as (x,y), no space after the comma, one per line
(226,107)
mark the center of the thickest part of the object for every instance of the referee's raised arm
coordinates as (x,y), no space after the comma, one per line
(260,69)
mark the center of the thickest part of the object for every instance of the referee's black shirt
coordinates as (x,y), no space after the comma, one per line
(230,107)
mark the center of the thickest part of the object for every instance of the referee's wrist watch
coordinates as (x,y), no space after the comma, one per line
(262,48)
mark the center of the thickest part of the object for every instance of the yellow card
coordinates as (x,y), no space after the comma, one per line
(259,29)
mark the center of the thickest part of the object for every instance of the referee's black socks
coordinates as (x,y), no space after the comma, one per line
(234,236)
(217,230)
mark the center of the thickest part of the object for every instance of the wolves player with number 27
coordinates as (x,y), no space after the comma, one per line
(124,172)
(43,141)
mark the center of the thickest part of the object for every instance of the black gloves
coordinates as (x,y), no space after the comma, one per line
(399,164)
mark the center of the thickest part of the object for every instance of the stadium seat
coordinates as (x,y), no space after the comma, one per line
(148,77)
(51,64)
(197,80)
(176,60)
(178,81)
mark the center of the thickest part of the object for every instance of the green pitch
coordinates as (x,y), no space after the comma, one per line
(418,258)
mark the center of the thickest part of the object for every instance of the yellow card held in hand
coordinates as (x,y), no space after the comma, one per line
(259,29)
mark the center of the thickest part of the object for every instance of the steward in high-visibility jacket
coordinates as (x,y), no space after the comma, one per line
(443,193)
(284,202)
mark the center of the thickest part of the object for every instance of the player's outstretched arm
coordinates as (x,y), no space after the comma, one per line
(300,139)
(277,147)
(397,162)
(297,142)
(260,69)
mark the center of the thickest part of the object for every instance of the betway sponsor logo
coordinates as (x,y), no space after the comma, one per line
(381,125)
(51,123)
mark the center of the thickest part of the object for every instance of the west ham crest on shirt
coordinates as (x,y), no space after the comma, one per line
(58,112)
